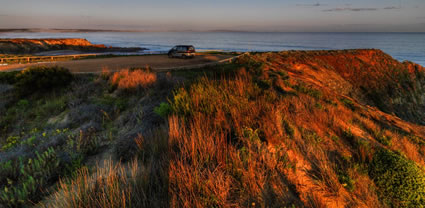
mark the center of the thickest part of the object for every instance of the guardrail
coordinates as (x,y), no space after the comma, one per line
(28,59)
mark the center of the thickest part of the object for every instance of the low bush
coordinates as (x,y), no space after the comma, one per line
(163,110)
(309,91)
(8,77)
(348,103)
(23,182)
(42,78)
(400,182)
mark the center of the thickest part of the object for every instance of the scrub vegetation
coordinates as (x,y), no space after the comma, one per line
(288,129)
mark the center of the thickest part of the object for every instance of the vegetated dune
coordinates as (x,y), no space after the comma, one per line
(369,76)
(288,129)
(28,46)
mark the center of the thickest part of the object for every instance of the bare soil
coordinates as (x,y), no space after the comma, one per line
(156,62)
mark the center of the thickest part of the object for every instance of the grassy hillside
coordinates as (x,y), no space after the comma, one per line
(289,129)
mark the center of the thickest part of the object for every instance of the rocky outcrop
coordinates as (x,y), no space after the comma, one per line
(28,46)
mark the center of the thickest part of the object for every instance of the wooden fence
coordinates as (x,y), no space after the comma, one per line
(30,59)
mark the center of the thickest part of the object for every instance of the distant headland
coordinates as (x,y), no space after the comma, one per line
(29,46)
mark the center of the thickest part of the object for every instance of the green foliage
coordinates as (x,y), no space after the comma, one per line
(348,135)
(23,104)
(181,102)
(311,136)
(264,84)
(416,139)
(283,74)
(163,110)
(346,181)
(42,78)
(86,143)
(119,104)
(253,66)
(381,138)
(335,138)
(52,106)
(11,141)
(289,129)
(207,71)
(308,90)
(8,77)
(348,103)
(25,181)
(400,182)
(251,134)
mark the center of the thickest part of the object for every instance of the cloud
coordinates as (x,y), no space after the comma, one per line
(350,9)
(312,5)
(392,7)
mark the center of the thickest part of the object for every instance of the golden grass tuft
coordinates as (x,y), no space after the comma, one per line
(133,79)
(112,185)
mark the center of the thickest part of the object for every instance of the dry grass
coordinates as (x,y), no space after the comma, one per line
(220,152)
(112,185)
(227,149)
(133,79)
(254,139)
(140,183)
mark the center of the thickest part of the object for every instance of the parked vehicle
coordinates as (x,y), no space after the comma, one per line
(182,51)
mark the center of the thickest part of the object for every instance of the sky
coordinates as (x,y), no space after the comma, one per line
(204,15)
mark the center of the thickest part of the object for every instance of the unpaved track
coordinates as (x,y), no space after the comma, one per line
(156,62)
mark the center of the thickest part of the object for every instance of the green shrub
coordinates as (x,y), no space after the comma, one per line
(163,110)
(346,181)
(264,84)
(11,141)
(26,181)
(385,140)
(348,103)
(308,90)
(42,78)
(8,77)
(400,182)
(289,129)
(182,102)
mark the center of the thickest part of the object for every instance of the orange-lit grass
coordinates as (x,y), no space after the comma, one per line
(220,152)
(227,144)
(133,79)
(112,185)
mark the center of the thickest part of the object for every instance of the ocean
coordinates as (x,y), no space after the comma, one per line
(402,46)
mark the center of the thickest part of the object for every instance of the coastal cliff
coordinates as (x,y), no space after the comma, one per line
(29,46)
(370,76)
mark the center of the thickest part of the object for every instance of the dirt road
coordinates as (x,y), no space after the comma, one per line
(156,62)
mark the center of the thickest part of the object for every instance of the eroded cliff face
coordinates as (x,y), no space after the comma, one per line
(28,46)
(370,76)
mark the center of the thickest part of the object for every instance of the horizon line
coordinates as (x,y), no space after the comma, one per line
(68,30)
